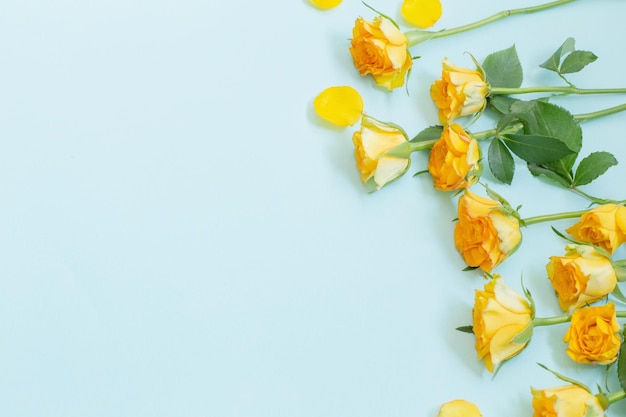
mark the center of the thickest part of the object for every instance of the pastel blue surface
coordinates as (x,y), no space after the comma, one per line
(180,235)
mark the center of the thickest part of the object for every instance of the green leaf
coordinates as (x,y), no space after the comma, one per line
(430,133)
(501,103)
(543,170)
(546,119)
(501,162)
(554,61)
(621,364)
(503,68)
(576,61)
(593,166)
(537,148)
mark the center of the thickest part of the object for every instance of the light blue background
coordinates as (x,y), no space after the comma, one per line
(181,236)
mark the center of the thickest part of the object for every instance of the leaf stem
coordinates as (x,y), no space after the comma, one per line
(583,117)
(595,200)
(418,36)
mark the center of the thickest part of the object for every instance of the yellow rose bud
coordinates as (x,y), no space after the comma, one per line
(454,160)
(459,408)
(582,276)
(485,233)
(374,146)
(603,226)
(594,335)
(380,49)
(459,92)
(566,401)
(502,323)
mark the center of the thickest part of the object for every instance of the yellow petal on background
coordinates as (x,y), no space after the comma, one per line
(421,13)
(341,105)
(326,4)
(459,408)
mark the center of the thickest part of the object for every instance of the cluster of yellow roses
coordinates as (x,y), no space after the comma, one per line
(487,229)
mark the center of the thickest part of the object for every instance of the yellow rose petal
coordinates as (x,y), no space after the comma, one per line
(326,4)
(421,13)
(341,105)
(459,408)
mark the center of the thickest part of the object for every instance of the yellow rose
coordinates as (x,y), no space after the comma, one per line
(566,401)
(594,335)
(454,160)
(459,92)
(502,323)
(459,408)
(374,146)
(380,49)
(582,276)
(603,226)
(485,233)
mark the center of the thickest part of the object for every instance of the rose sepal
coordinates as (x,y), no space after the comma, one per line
(620,269)
(565,378)
(401,151)
(578,243)
(417,36)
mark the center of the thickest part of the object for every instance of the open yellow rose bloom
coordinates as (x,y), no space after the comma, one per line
(459,92)
(593,336)
(454,160)
(566,401)
(380,49)
(582,276)
(603,226)
(502,323)
(485,234)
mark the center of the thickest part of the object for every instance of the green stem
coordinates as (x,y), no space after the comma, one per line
(595,200)
(593,115)
(417,36)
(422,145)
(616,396)
(557,216)
(554,89)
(548,321)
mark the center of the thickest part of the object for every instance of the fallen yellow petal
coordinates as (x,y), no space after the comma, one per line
(326,4)
(421,13)
(341,105)
(459,408)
